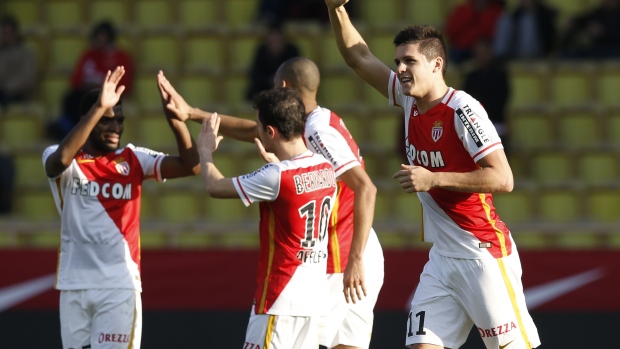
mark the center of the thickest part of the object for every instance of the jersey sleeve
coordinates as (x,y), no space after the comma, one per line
(474,128)
(150,160)
(46,154)
(395,92)
(260,185)
(332,144)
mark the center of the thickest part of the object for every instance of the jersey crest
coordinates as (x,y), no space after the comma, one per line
(437,130)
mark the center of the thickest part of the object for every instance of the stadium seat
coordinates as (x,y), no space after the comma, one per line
(242,52)
(579,130)
(160,52)
(115,11)
(29,171)
(307,43)
(528,84)
(64,53)
(571,84)
(20,132)
(431,12)
(154,239)
(598,168)
(53,90)
(329,57)
(39,48)
(531,130)
(612,129)
(408,208)
(608,85)
(514,207)
(155,133)
(65,15)
(381,45)
(227,211)
(179,206)
(381,12)
(530,240)
(153,14)
(146,93)
(27,12)
(373,98)
(149,203)
(579,240)
(239,13)
(191,240)
(199,91)
(43,239)
(603,206)
(559,206)
(356,125)
(199,14)
(236,87)
(339,89)
(36,206)
(204,54)
(552,168)
(384,130)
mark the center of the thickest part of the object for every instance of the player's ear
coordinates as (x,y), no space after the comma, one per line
(438,64)
(272,131)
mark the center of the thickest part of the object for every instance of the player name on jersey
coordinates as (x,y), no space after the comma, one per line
(108,190)
(314,180)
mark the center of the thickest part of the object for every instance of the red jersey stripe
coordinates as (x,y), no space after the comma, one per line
(485,149)
(272,228)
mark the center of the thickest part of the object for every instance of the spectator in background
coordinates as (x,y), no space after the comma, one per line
(469,22)
(18,64)
(595,34)
(277,11)
(273,51)
(90,71)
(488,83)
(529,31)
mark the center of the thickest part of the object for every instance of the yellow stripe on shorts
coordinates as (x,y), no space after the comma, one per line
(269,334)
(513,300)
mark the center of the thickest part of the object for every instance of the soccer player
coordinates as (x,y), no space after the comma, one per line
(96,185)
(296,197)
(473,276)
(355,260)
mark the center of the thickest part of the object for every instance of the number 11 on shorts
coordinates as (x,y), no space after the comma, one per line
(420,331)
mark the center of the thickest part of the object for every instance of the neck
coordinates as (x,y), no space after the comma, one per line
(432,98)
(290,149)
(309,102)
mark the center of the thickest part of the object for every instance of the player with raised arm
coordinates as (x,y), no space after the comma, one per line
(473,276)
(296,197)
(97,185)
(355,260)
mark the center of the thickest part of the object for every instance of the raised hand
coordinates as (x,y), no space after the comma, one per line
(174,105)
(110,91)
(335,3)
(208,139)
(267,156)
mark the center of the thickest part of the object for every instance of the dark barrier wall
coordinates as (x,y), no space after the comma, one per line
(202,298)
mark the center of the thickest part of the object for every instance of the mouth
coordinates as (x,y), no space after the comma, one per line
(112,138)
(405,80)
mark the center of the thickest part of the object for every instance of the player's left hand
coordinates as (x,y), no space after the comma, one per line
(354,285)
(267,156)
(174,105)
(414,178)
(208,139)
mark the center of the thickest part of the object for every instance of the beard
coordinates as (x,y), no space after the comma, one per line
(99,144)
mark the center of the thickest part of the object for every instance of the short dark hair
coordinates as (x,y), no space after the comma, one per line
(283,109)
(89,99)
(104,27)
(9,21)
(430,39)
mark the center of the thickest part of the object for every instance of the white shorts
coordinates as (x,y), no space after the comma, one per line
(283,332)
(348,323)
(102,318)
(455,294)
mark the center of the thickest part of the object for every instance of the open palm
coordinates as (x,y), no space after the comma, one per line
(110,91)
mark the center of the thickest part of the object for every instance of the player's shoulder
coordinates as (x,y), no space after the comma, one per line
(456,99)
(139,150)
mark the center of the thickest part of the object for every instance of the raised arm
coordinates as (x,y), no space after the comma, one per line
(354,49)
(217,185)
(363,212)
(58,161)
(187,163)
(230,126)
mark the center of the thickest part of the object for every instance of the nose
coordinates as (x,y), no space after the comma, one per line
(401,68)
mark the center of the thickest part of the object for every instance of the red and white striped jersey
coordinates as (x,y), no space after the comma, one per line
(451,137)
(296,200)
(327,135)
(98,199)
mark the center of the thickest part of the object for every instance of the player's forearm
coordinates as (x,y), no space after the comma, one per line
(186,146)
(350,43)
(73,142)
(484,180)
(230,126)
(363,213)
(210,174)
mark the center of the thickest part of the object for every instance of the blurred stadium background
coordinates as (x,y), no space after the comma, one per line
(564,120)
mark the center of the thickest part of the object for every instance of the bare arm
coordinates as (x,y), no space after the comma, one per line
(231,126)
(354,49)
(217,185)
(59,160)
(493,176)
(364,208)
(188,161)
